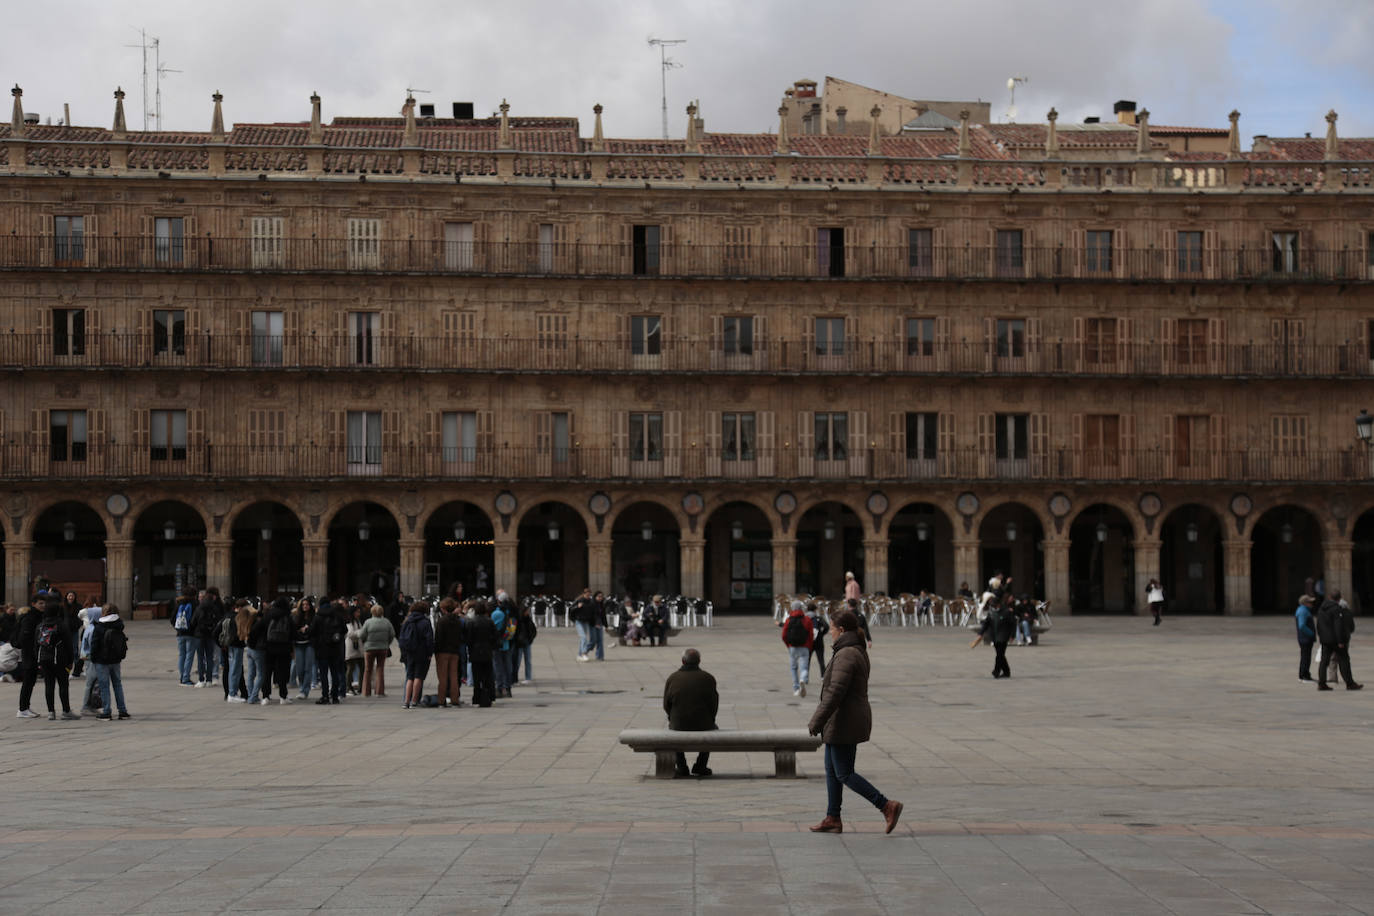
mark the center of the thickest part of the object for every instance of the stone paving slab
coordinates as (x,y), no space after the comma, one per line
(1122,769)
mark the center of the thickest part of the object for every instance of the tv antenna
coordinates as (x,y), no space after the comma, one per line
(145,44)
(666,63)
(1011,87)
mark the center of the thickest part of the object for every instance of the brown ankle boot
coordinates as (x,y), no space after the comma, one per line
(891,811)
(829,825)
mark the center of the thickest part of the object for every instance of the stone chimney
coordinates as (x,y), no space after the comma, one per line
(692,145)
(874,147)
(1125,112)
(503,140)
(217,119)
(598,139)
(17,118)
(316,136)
(1333,148)
(783,147)
(410,136)
(1052,135)
(839,120)
(1260,144)
(1142,133)
(1233,138)
(965,147)
(120,131)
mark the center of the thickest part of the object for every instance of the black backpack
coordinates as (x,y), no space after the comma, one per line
(225,636)
(109,645)
(794,631)
(46,640)
(279,630)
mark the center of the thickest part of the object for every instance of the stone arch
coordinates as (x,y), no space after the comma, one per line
(1033,506)
(1102,539)
(920,547)
(1286,548)
(354,565)
(719,549)
(531,502)
(630,500)
(231,518)
(896,503)
(451,561)
(805,506)
(338,505)
(1321,515)
(549,564)
(1192,571)
(30,521)
(1022,557)
(1123,505)
(824,553)
(271,565)
(190,502)
(639,567)
(489,514)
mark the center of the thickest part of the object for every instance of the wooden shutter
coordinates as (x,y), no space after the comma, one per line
(433,461)
(760,343)
(39,449)
(620,443)
(1168,343)
(858,443)
(987,444)
(943,343)
(94,341)
(1167,462)
(672,443)
(291,345)
(338,442)
(486,441)
(386,343)
(196,447)
(1218,444)
(1033,342)
(1211,254)
(808,338)
(543,443)
(806,443)
(896,446)
(989,343)
(852,358)
(1076,447)
(1216,345)
(1128,463)
(766,465)
(712,439)
(140,458)
(1078,245)
(1079,353)
(1039,424)
(143,344)
(718,355)
(945,444)
(44,354)
(1125,346)
(196,354)
(97,450)
(623,358)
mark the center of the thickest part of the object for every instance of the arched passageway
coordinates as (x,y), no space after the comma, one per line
(169,551)
(364,551)
(459,550)
(1285,550)
(645,559)
(920,552)
(830,542)
(1362,563)
(267,558)
(553,551)
(1012,542)
(739,558)
(1102,561)
(1191,565)
(68,551)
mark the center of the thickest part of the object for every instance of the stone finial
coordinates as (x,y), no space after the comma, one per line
(1233,138)
(874,146)
(17,118)
(1052,135)
(503,140)
(316,131)
(120,130)
(692,144)
(598,139)
(1142,132)
(411,136)
(783,146)
(965,147)
(1333,149)
(217,120)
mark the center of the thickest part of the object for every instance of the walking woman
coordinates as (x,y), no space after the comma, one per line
(1154,594)
(844,720)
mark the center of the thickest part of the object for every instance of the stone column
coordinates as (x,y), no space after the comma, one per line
(218,566)
(119,574)
(507,560)
(17,555)
(1146,568)
(693,570)
(599,565)
(1236,559)
(412,565)
(966,564)
(875,565)
(784,565)
(316,552)
(1057,575)
(1338,558)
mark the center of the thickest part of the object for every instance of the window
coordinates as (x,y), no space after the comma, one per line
(1102,438)
(364,442)
(551,332)
(362,337)
(364,244)
(921,436)
(1012,442)
(1010,253)
(646,437)
(1099,341)
(545,247)
(69,240)
(458,239)
(460,437)
(267,338)
(737,436)
(1011,337)
(738,335)
(67,435)
(562,426)
(1284,249)
(832,436)
(169,332)
(1191,439)
(1192,342)
(1190,252)
(920,337)
(920,245)
(646,250)
(830,337)
(167,436)
(460,329)
(1289,434)
(830,251)
(266,241)
(169,239)
(69,332)
(1097,255)
(739,244)
(1369,257)
(646,335)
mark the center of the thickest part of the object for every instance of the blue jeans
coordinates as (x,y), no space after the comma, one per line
(521,652)
(500,663)
(108,676)
(207,658)
(235,668)
(599,642)
(584,639)
(186,656)
(839,772)
(303,668)
(1023,630)
(799,661)
(254,672)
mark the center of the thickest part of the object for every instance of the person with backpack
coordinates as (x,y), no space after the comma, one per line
(186,637)
(109,648)
(204,623)
(797,635)
(481,642)
(584,618)
(327,632)
(998,628)
(525,632)
(22,638)
(303,665)
(417,649)
(377,635)
(279,649)
(90,697)
(818,629)
(255,672)
(53,649)
(232,629)
(503,618)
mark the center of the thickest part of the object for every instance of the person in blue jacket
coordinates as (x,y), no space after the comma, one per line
(1307,635)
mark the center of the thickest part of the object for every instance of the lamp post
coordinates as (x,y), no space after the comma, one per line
(829,531)
(646,531)
(1191,532)
(266,533)
(364,530)
(1011,531)
(1364,427)
(922,531)
(737,531)
(553,531)
(69,531)
(169,531)
(460,531)
(1101,532)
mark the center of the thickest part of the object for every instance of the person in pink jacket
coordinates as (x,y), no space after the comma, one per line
(851,587)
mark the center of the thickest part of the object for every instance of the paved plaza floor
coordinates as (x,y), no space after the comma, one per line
(1122,769)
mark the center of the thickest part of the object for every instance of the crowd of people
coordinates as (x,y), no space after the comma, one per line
(58,637)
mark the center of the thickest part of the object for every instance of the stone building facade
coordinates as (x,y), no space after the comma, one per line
(402,352)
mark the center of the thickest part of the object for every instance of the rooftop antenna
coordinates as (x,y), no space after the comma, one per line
(159,70)
(143,46)
(666,63)
(1011,87)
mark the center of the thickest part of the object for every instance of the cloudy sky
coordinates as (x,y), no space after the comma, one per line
(1281,63)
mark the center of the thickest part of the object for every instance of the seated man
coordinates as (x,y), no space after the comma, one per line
(656,618)
(691,701)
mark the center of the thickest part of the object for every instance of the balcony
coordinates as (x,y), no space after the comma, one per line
(674,260)
(681,356)
(106,461)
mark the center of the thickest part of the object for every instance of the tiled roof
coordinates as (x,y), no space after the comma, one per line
(1310,149)
(1191,131)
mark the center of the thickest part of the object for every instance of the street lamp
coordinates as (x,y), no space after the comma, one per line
(922,531)
(1102,532)
(1191,532)
(1011,531)
(364,530)
(1364,427)
(646,531)
(829,531)
(737,531)
(1286,533)
(460,531)
(69,531)
(553,531)
(169,531)
(266,533)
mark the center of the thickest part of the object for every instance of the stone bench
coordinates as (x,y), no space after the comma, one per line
(664,743)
